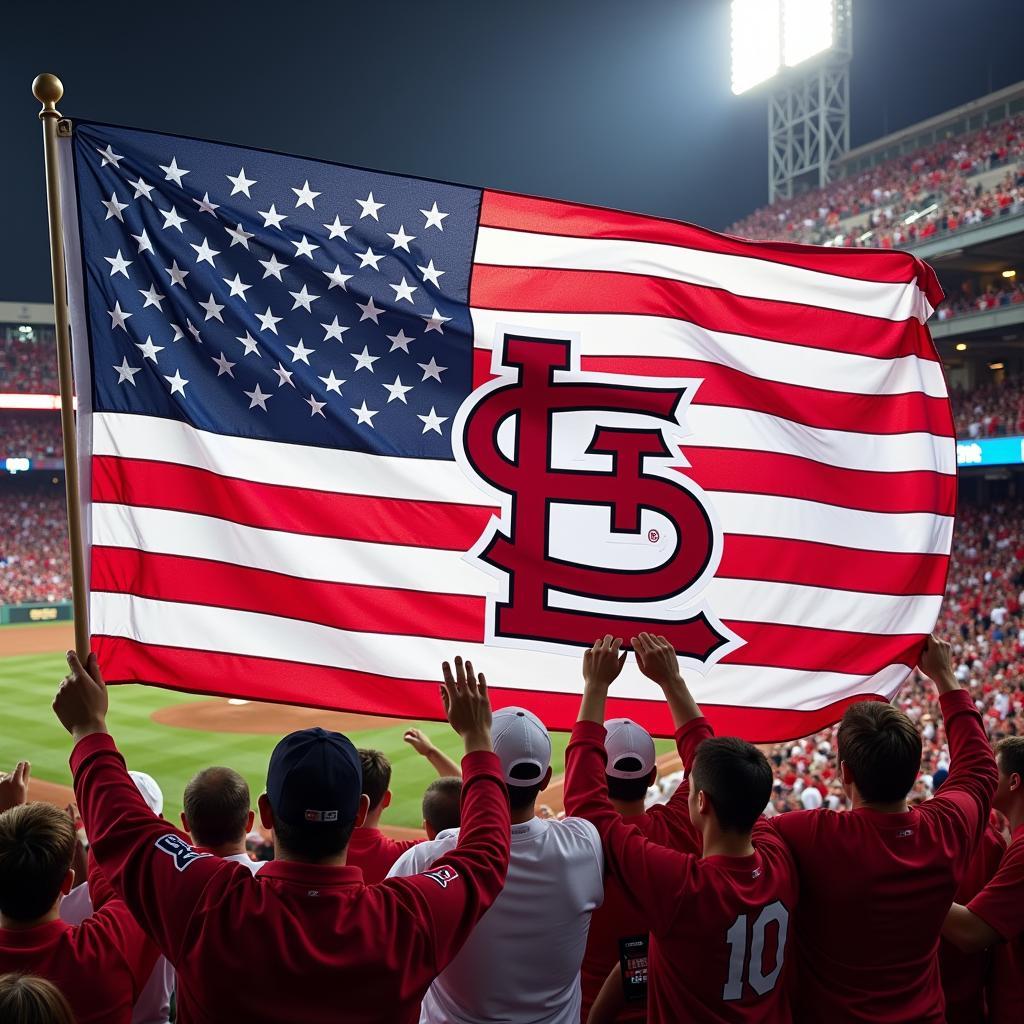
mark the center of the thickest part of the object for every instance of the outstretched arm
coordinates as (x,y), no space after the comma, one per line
(439,760)
(658,661)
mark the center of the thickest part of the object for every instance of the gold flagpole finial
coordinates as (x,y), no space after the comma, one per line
(48,89)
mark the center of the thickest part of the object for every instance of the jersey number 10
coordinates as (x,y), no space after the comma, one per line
(737,937)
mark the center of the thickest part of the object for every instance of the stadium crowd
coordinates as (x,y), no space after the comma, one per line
(30,435)
(932,188)
(993,409)
(994,296)
(34,560)
(27,360)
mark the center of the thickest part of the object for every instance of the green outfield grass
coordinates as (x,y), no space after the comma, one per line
(28,729)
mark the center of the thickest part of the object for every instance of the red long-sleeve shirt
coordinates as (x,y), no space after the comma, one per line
(375,853)
(619,916)
(719,925)
(876,888)
(297,941)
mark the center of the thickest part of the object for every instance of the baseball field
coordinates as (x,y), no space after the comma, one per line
(171,735)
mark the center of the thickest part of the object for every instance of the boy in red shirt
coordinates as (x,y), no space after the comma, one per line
(305,939)
(877,881)
(720,922)
(100,965)
(996,914)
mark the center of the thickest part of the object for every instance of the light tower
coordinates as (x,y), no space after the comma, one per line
(803,49)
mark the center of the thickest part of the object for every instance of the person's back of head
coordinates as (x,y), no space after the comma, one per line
(879,751)
(442,805)
(314,796)
(28,1000)
(631,764)
(523,747)
(1009,796)
(735,779)
(376,778)
(217,809)
(37,845)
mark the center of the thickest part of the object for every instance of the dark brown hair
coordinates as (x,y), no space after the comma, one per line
(37,843)
(376,776)
(1010,752)
(217,807)
(736,777)
(882,749)
(442,803)
(28,1000)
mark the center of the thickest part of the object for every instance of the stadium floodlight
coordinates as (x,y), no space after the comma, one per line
(768,35)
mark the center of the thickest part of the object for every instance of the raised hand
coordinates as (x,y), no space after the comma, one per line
(467,704)
(603,662)
(419,741)
(936,663)
(14,786)
(657,659)
(81,702)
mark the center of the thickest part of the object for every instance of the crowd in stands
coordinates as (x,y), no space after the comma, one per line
(30,435)
(995,296)
(993,409)
(871,209)
(28,361)
(34,560)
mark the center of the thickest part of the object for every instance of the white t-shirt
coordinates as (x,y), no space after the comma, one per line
(244,858)
(522,962)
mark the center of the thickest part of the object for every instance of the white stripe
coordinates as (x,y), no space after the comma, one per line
(741,275)
(276,462)
(718,427)
(765,515)
(612,334)
(409,657)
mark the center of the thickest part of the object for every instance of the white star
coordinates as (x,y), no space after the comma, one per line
(431,369)
(305,196)
(114,208)
(364,361)
(434,217)
(238,286)
(149,350)
(205,206)
(273,267)
(333,383)
(305,247)
(403,290)
(177,383)
(431,421)
(178,333)
(117,317)
(434,322)
(317,407)
(283,376)
(401,239)
(258,398)
(268,322)
(239,236)
(334,330)
(370,311)
(337,278)
(109,156)
(251,346)
(126,372)
(304,299)
(400,340)
(212,308)
(145,245)
(300,353)
(204,252)
(223,366)
(177,275)
(152,297)
(397,390)
(240,183)
(337,229)
(172,219)
(431,273)
(141,189)
(271,218)
(173,172)
(118,264)
(369,258)
(193,330)
(370,208)
(364,415)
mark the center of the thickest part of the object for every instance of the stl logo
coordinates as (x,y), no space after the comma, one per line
(599,532)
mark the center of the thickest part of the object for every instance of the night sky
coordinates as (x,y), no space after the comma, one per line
(624,103)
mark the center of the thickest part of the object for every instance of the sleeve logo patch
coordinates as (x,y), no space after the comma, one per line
(442,875)
(179,851)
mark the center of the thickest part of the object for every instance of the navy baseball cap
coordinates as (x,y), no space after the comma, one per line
(315,777)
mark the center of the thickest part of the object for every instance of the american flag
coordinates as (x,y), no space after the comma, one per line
(277,361)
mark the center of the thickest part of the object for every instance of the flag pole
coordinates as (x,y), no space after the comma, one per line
(48,89)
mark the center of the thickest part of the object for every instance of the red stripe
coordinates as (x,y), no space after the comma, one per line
(813,407)
(340,605)
(552,217)
(810,564)
(286,682)
(541,290)
(293,509)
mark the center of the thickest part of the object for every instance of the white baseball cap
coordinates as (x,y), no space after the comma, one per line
(520,738)
(625,739)
(150,790)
